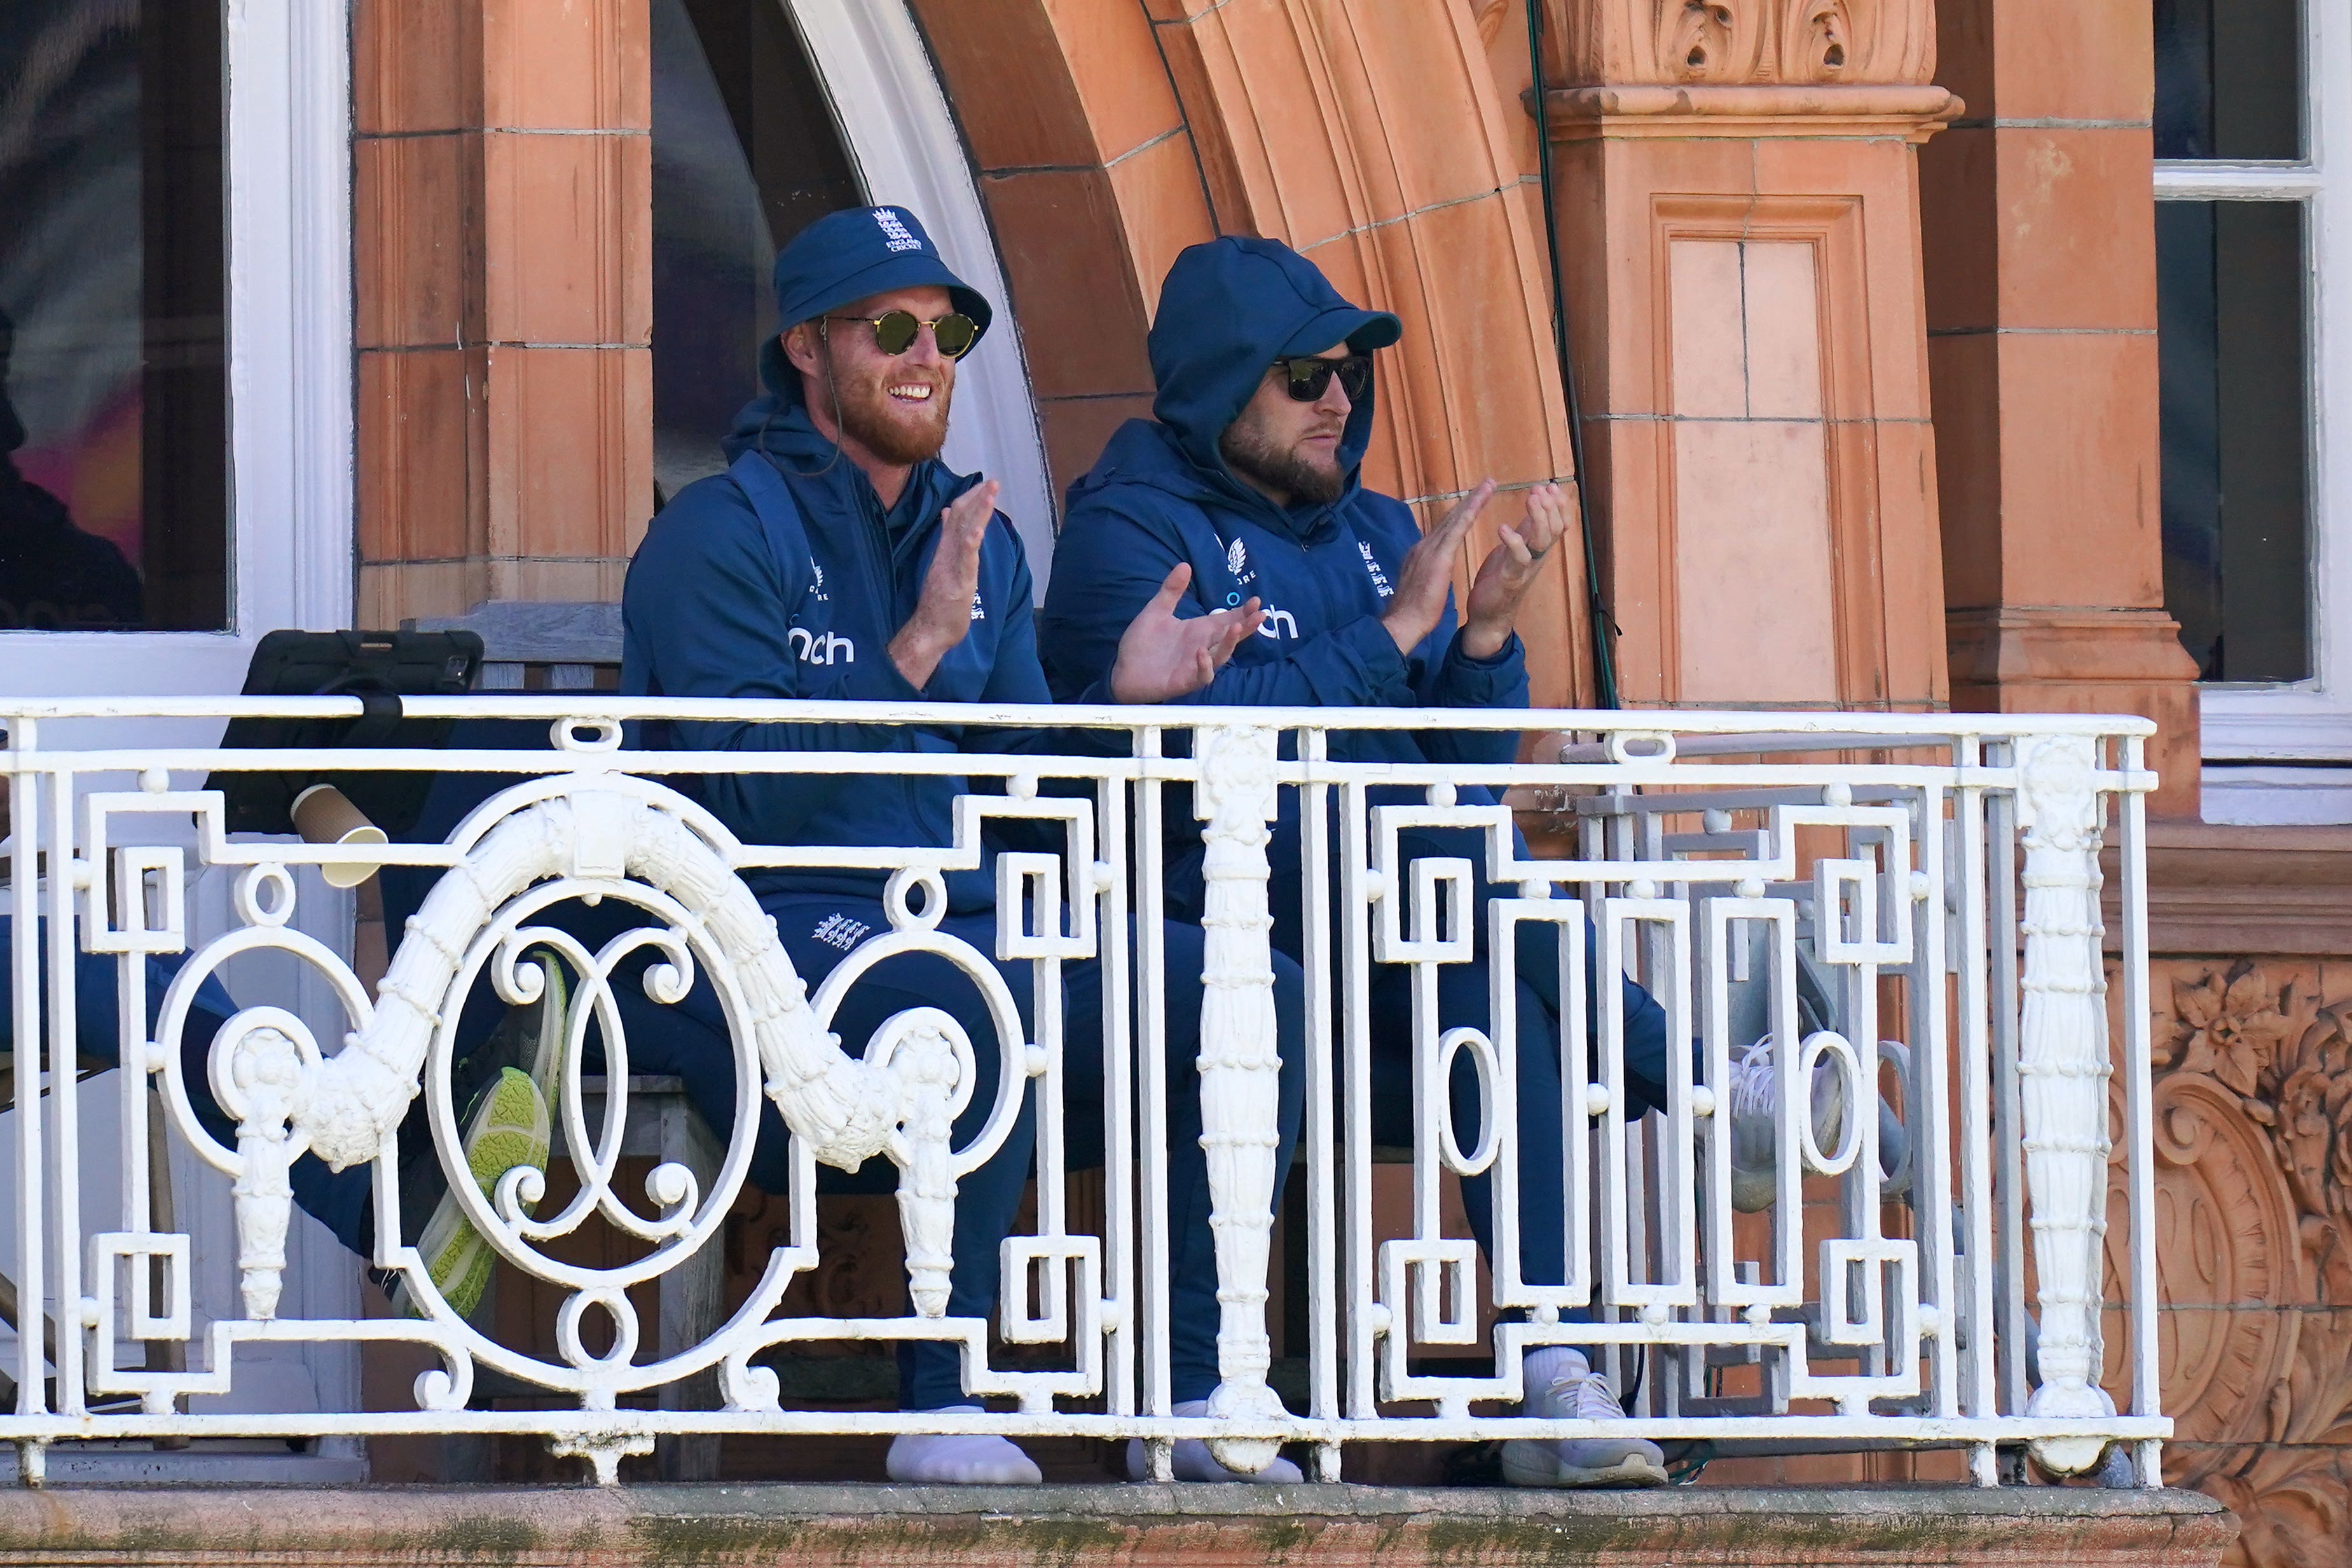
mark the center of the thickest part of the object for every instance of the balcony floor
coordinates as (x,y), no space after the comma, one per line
(1195,1526)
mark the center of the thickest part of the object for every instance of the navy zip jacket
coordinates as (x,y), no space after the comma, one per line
(785,577)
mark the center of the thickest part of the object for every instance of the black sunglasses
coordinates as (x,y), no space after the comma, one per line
(1308,378)
(894,331)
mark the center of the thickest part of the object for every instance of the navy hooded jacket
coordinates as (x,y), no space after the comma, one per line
(785,577)
(1162,494)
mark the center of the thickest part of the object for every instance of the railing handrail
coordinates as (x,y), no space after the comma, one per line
(1916,728)
(1925,891)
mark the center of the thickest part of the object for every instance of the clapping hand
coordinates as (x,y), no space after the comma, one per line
(942,615)
(1164,655)
(1423,582)
(1510,569)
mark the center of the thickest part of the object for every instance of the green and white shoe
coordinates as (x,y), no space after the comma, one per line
(508,1124)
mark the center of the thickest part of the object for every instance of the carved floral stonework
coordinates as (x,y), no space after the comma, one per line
(1744,43)
(2253,1141)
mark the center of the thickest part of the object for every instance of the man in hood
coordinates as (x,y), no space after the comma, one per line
(838,558)
(1248,475)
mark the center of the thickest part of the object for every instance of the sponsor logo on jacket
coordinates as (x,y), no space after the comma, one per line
(1279,624)
(841,932)
(821,647)
(1373,565)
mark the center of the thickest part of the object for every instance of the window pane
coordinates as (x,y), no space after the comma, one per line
(745,156)
(2231,91)
(113,390)
(2230,289)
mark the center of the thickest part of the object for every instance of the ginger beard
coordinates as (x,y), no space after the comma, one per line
(1267,443)
(895,408)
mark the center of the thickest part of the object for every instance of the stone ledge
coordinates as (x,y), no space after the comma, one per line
(1130,1526)
(2220,891)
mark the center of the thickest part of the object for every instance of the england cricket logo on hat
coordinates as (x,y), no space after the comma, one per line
(894,232)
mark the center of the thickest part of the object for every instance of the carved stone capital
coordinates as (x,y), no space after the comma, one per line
(1746,68)
(1915,113)
(1744,43)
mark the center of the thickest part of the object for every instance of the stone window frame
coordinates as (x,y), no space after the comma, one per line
(2307,722)
(292,433)
(288,222)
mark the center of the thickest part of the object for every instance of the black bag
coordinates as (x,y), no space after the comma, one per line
(378,668)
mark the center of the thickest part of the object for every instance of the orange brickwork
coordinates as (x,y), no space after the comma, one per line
(502,235)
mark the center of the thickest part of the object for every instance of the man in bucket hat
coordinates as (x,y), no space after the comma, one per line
(837,558)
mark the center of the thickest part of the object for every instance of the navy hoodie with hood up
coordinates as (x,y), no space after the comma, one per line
(785,577)
(1162,494)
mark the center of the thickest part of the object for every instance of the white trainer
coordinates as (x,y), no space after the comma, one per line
(1562,1386)
(962,1460)
(1195,1463)
(1755,1148)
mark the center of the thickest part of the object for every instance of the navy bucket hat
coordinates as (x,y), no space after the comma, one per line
(850,255)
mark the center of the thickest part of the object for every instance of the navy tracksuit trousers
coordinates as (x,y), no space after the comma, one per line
(1464,999)
(339,1201)
(690,1041)
(820,931)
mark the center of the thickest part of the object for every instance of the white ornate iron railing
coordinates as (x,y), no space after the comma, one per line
(1941,872)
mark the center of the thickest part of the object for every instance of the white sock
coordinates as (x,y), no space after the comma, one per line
(1195,1463)
(966,1459)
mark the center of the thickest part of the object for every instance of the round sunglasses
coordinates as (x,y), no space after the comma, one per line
(895,331)
(1308,377)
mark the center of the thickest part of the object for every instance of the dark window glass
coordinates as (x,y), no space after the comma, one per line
(2237,571)
(113,387)
(746,154)
(2232,91)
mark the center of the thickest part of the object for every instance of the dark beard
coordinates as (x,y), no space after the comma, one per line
(1246,453)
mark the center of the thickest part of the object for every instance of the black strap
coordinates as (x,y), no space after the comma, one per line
(379,716)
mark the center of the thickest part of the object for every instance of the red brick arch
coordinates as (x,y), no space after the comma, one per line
(1109,134)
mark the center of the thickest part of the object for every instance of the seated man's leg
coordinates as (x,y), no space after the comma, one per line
(691,1040)
(1194,1313)
(1559,1379)
(337,1199)
(1463,1002)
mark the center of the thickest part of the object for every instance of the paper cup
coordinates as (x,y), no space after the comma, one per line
(324,814)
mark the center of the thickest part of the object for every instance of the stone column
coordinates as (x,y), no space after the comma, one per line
(2042,320)
(1738,198)
(2062,1072)
(1241,1072)
(503,231)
